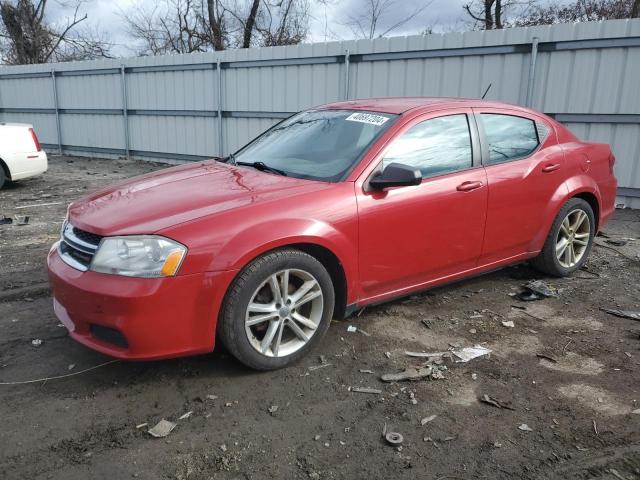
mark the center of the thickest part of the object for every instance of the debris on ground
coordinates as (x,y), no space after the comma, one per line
(428,419)
(162,428)
(363,370)
(141,425)
(273,409)
(316,367)
(374,391)
(410,373)
(496,403)
(546,357)
(525,428)
(536,290)
(36,342)
(428,355)
(633,315)
(616,243)
(22,219)
(211,397)
(508,323)
(469,353)
(71,366)
(636,411)
(354,329)
(5,220)
(394,438)
(186,415)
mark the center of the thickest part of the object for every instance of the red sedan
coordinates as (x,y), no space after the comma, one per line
(335,208)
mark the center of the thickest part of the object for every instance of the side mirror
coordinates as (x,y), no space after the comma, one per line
(396,175)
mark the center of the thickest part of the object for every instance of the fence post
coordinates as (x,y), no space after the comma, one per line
(346,74)
(55,105)
(125,112)
(220,136)
(532,71)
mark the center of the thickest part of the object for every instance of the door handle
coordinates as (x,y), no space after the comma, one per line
(467,186)
(550,167)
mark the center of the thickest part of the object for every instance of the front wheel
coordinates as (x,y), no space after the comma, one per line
(277,309)
(570,240)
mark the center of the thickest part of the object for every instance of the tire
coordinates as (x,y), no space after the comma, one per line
(255,284)
(3,177)
(548,261)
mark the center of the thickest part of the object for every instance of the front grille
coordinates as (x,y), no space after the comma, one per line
(77,247)
(88,237)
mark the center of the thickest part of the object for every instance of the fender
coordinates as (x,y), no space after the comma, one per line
(242,248)
(570,188)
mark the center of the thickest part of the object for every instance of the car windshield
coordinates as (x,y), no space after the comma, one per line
(318,144)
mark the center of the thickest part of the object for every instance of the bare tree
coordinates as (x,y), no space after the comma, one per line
(579,11)
(283,23)
(370,22)
(492,14)
(185,26)
(216,16)
(175,26)
(27,37)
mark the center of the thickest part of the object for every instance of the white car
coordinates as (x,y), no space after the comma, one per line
(21,155)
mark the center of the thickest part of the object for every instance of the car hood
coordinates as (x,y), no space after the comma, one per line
(163,199)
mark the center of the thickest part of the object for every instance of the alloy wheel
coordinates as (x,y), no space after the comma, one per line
(573,238)
(284,313)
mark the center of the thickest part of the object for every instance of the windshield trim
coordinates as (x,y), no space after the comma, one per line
(393,118)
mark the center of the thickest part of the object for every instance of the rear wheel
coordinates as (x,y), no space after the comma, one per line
(570,240)
(3,177)
(277,309)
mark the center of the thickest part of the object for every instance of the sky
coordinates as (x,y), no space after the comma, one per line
(327,22)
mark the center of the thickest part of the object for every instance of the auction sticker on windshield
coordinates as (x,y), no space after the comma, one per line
(369,118)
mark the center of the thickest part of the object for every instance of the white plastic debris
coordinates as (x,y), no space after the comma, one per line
(162,428)
(36,342)
(508,323)
(469,353)
(352,329)
(428,419)
(525,428)
(186,415)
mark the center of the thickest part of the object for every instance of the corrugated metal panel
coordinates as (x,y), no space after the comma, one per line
(173,101)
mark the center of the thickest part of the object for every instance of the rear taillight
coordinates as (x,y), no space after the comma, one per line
(35,140)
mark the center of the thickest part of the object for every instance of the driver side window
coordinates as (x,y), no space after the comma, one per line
(436,146)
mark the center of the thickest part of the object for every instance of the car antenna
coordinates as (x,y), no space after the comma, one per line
(486,91)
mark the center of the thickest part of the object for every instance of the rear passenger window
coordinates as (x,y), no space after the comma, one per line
(509,137)
(435,146)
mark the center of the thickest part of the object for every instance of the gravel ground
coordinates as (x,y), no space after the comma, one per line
(579,406)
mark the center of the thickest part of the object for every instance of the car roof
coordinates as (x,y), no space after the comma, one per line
(399,105)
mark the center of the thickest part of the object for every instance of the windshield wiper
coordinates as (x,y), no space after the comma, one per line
(263,167)
(231,159)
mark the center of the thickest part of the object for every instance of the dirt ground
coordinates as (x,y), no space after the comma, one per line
(579,409)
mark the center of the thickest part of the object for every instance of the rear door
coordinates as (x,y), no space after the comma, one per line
(525,169)
(411,236)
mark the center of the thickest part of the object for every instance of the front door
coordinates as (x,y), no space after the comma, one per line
(411,236)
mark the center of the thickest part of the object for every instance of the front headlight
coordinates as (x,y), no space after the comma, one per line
(138,256)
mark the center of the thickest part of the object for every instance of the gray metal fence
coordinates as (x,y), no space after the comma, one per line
(189,107)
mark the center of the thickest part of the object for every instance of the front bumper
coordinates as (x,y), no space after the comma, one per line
(138,318)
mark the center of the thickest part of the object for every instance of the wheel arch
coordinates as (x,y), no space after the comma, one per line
(593,202)
(5,168)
